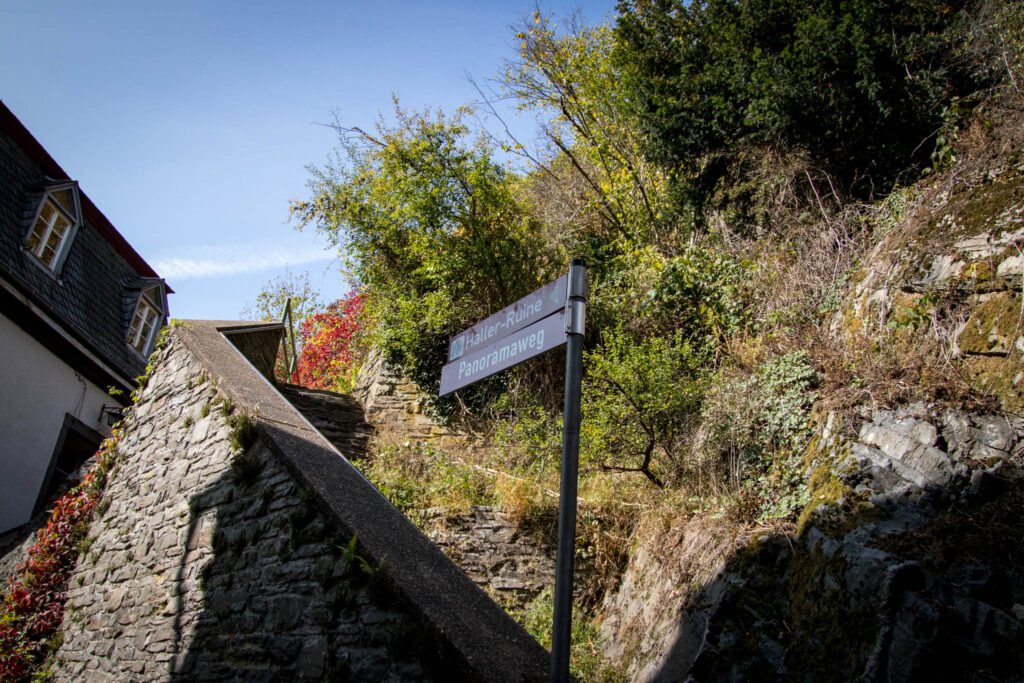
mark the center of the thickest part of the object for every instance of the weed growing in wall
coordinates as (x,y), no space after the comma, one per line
(245,466)
(227,406)
(243,429)
(357,562)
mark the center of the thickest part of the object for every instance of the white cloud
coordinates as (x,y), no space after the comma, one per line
(205,262)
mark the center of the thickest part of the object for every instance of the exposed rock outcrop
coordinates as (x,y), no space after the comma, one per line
(912,571)
(907,561)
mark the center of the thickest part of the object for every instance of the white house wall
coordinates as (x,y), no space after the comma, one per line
(37,389)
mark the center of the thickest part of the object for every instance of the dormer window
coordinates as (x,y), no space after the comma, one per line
(147,317)
(143,324)
(55,225)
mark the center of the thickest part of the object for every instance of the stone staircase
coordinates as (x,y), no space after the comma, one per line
(339,417)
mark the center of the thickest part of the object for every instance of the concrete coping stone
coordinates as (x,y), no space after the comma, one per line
(492,645)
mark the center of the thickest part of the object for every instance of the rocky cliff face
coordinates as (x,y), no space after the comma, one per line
(949,271)
(908,561)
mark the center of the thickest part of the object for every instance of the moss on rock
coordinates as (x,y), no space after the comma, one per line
(831,632)
(834,508)
(993,325)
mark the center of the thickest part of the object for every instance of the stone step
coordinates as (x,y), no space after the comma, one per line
(338,417)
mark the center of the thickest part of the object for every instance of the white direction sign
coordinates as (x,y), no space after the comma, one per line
(506,352)
(526,311)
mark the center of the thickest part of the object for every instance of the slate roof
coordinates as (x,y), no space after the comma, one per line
(94,296)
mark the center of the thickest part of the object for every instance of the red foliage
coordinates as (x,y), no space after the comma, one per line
(329,344)
(33,608)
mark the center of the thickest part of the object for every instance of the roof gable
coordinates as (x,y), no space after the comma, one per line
(27,142)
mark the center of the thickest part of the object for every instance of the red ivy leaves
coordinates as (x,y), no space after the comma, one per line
(33,608)
(329,344)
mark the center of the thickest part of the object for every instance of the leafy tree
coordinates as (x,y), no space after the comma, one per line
(570,78)
(699,293)
(431,226)
(860,84)
(271,300)
(271,303)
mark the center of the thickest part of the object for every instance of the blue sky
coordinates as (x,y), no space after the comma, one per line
(190,124)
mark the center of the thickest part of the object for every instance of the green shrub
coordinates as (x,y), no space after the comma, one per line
(783,389)
(530,435)
(700,293)
(755,428)
(638,398)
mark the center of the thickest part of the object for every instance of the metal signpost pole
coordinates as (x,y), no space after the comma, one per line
(538,322)
(576,298)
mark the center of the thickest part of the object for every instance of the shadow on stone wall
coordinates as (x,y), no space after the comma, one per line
(265,591)
(892,600)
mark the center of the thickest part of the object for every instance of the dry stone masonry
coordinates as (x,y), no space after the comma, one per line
(339,417)
(513,563)
(393,402)
(212,564)
(496,552)
(234,542)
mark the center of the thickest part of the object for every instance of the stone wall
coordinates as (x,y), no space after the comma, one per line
(209,563)
(15,543)
(513,563)
(212,564)
(393,402)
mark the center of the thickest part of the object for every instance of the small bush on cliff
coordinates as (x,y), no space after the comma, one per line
(637,399)
(783,387)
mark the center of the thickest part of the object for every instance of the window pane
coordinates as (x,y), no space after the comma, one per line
(57,233)
(63,198)
(133,331)
(147,328)
(142,325)
(48,234)
(62,224)
(46,213)
(47,256)
(36,237)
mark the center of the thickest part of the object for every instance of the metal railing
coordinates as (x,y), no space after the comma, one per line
(290,363)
